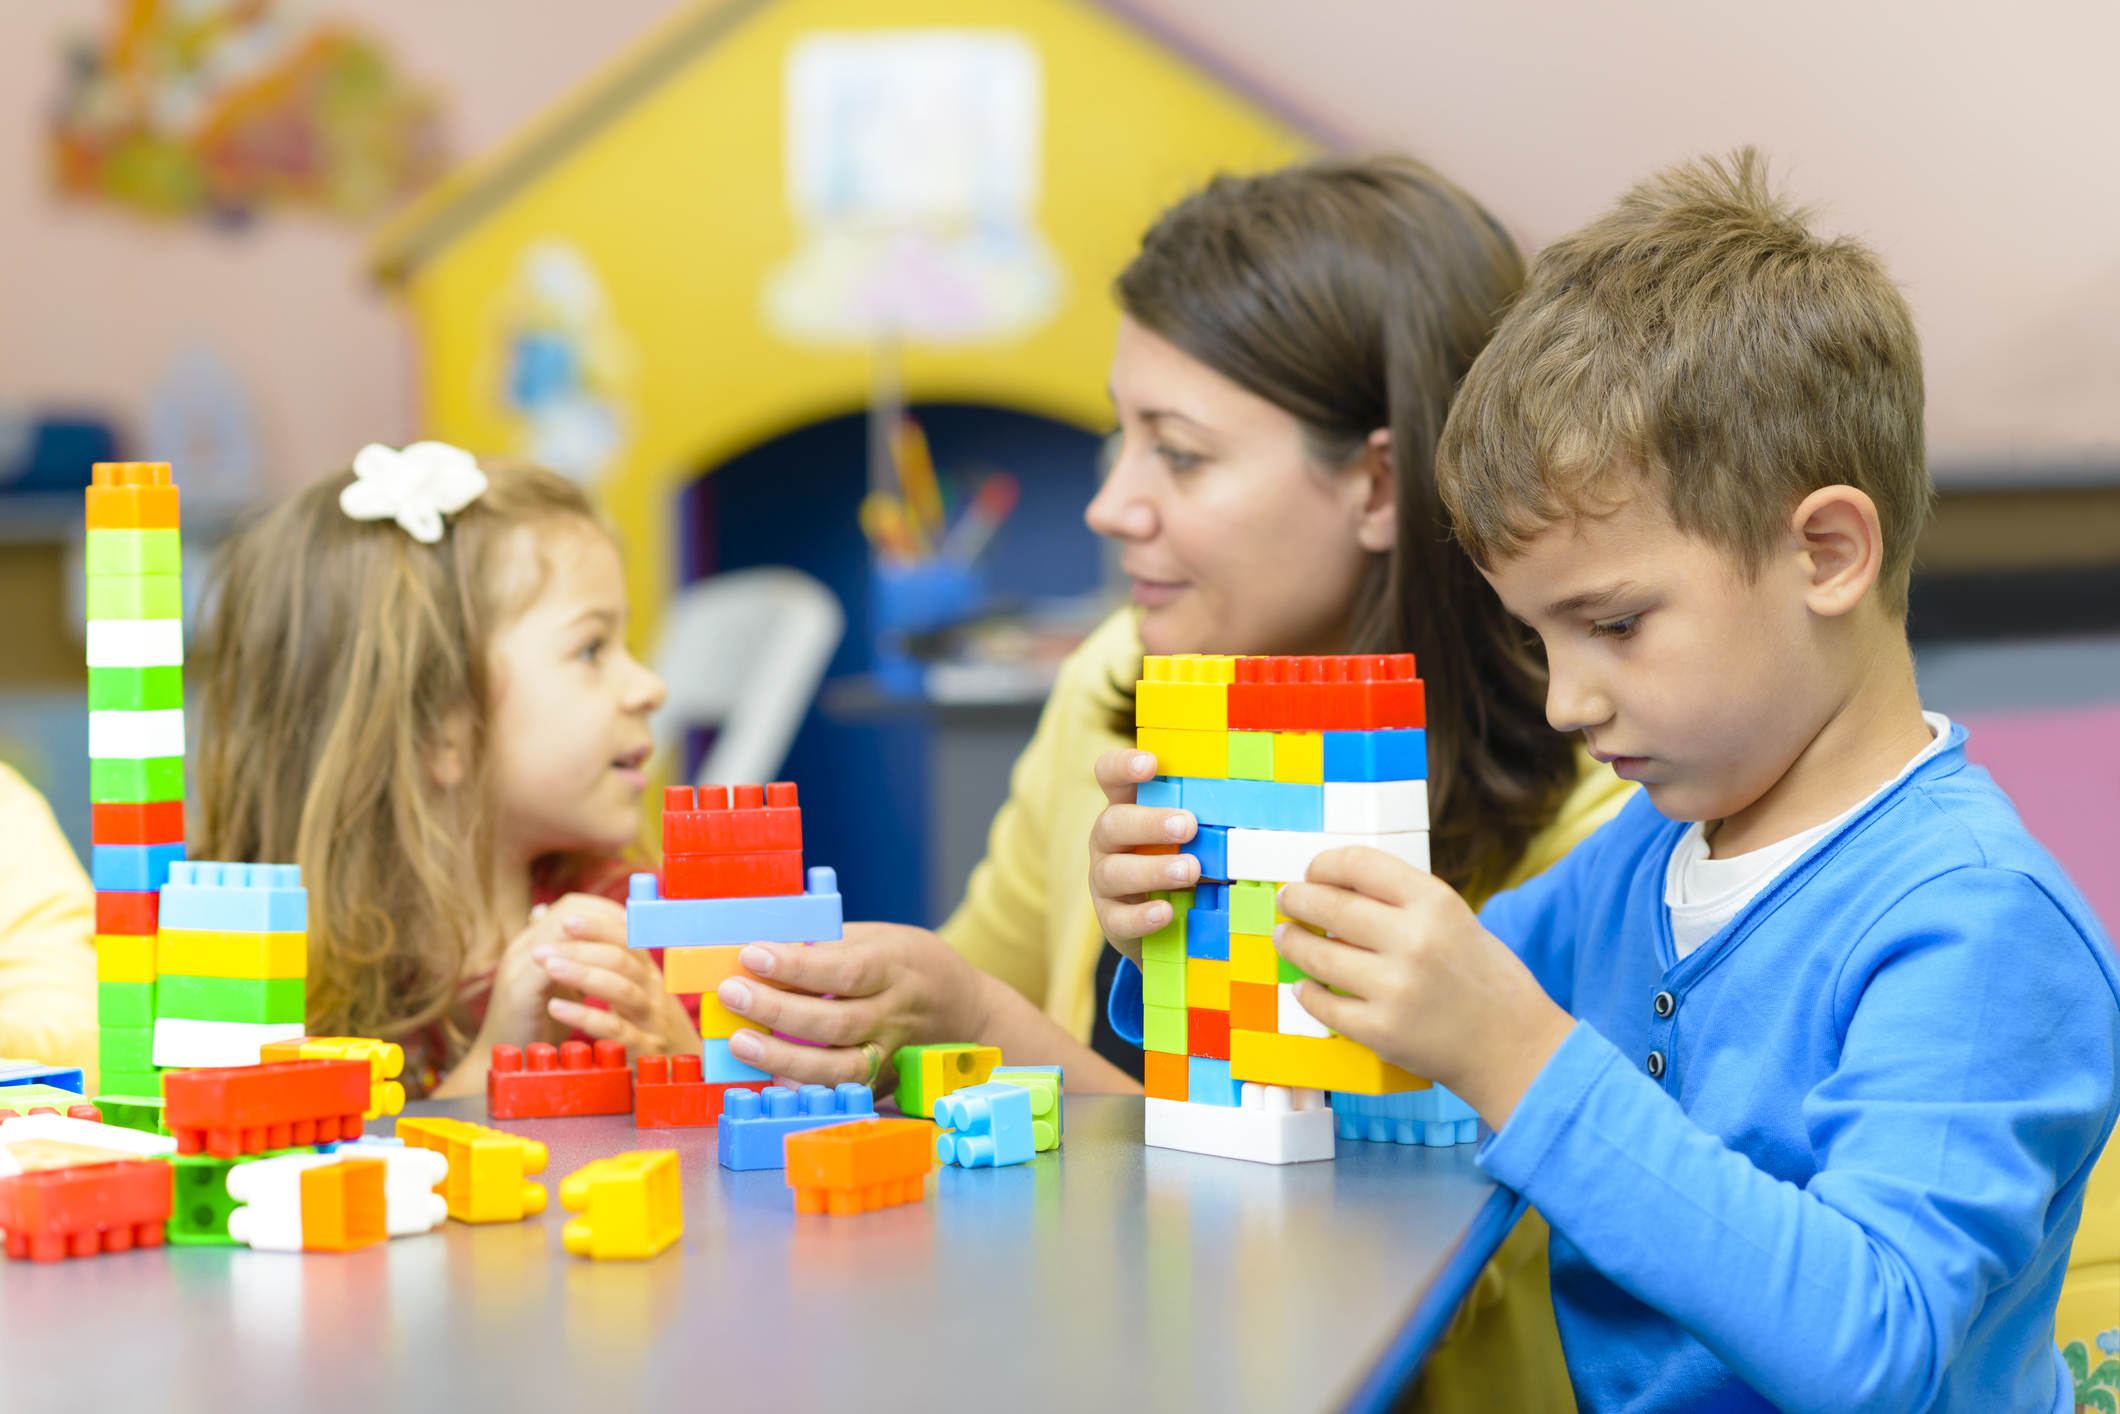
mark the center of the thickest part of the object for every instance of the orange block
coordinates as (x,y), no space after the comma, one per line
(132,496)
(1254,1006)
(703,969)
(342,1205)
(1166,1078)
(852,1168)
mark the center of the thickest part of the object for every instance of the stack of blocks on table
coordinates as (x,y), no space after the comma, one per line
(1278,760)
(231,964)
(732,874)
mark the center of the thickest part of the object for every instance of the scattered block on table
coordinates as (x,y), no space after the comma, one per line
(927,1073)
(754,1123)
(249,1109)
(80,1211)
(547,1082)
(670,1092)
(487,1180)
(309,1203)
(630,1206)
(1048,1095)
(854,1168)
(985,1126)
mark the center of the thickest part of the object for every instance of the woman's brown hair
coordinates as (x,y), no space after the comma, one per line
(1354,293)
(342,660)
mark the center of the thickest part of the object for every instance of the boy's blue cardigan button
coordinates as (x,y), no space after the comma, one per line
(1665,1004)
(1656,1065)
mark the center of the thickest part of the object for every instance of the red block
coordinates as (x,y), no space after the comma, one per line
(247,1109)
(128,915)
(78,1212)
(732,875)
(156,822)
(670,1095)
(704,822)
(1207,1033)
(560,1082)
(1353,692)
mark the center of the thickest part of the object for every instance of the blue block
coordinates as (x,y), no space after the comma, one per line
(59,1077)
(132,868)
(753,1124)
(718,1067)
(653,921)
(1207,933)
(1211,893)
(990,1126)
(1209,845)
(1161,792)
(1377,756)
(1208,1082)
(1254,805)
(1060,1110)
(1433,1117)
(235,898)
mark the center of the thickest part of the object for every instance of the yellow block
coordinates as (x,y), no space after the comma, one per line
(1207,983)
(486,1168)
(718,1023)
(2098,1236)
(124,958)
(1196,706)
(1252,959)
(2090,1306)
(629,1205)
(1315,1063)
(1180,752)
(185,953)
(1299,757)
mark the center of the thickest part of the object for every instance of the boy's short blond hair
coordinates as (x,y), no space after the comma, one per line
(1699,332)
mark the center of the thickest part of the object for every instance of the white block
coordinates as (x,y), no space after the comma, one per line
(270,1190)
(411,1204)
(135,643)
(1375,807)
(135,736)
(1273,1131)
(1282,856)
(69,1130)
(1294,1021)
(193,1044)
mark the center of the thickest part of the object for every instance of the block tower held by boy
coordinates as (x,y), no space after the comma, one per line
(1278,760)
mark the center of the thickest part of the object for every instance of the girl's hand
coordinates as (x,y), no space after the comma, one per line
(589,958)
(1120,879)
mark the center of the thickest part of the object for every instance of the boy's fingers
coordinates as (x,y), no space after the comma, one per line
(1121,828)
(848,971)
(1127,921)
(1371,872)
(1333,963)
(1122,876)
(810,1065)
(837,1022)
(1343,913)
(1341,1014)
(1121,769)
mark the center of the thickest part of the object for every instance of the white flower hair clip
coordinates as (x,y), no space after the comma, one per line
(415,487)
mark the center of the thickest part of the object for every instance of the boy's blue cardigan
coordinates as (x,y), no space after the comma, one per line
(1883,1087)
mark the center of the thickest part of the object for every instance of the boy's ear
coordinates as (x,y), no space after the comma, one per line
(1842,543)
(1378,529)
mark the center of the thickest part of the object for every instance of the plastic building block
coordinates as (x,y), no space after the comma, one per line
(1256,805)
(717,1066)
(927,1073)
(1207,933)
(1299,758)
(1271,1125)
(1311,1062)
(754,1123)
(132,866)
(1252,959)
(1253,1006)
(702,970)
(1167,944)
(1282,856)
(1180,752)
(1048,1094)
(1210,846)
(249,1109)
(669,1093)
(551,1082)
(1189,690)
(1209,1083)
(719,820)
(135,596)
(386,1061)
(195,953)
(156,780)
(1290,1019)
(718,1023)
(985,1126)
(1251,756)
(19,1100)
(118,552)
(70,1129)
(1207,983)
(131,496)
(1163,1028)
(157,822)
(1375,807)
(487,1168)
(309,1203)
(137,1112)
(629,1204)
(1164,1074)
(1433,1117)
(134,690)
(127,1004)
(200,1205)
(1163,983)
(80,1211)
(845,1169)
(125,1048)
(1251,908)
(412,1182)
(136,736)
(28,1072)
(767,873)
(129,915)
(235,898)
(255,1000)
(812,916)
(1160,792)
(42,1155)
(1357,692)
(1207,1033)
(1376,756)
(135,643)
(132,1082)
(180,1041)
(120,958)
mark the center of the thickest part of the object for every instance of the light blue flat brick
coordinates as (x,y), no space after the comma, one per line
(235,898)
(718,1067)
(1433,1117)
(132,868)
(1208,1082)
(1162,792)
(1254,805)
(810,917)
(753,1124)
(1400,755)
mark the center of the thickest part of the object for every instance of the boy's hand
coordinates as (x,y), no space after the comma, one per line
(1414,977)
(1120,880)
(588,957)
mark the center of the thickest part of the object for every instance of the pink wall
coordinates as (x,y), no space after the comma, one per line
(1975,145)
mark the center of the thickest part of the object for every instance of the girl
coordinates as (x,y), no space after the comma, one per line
(439,721)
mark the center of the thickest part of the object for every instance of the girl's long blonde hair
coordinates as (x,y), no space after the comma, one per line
(342,660)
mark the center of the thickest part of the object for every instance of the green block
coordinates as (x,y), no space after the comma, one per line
(1251,756)
(123,1048)
(135,596)
(141,1112)
(1162,983)
(1167,944)
(1251,908)
(249,999)
(198,1215)
(135,552)
(1163,1029)
(21,1099)
(1048,1110)
(1286,971)
(114,781)
(911,1094)
(141,1083)
(135,689)
(125,1003)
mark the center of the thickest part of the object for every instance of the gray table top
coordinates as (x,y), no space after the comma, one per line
(1106,1275)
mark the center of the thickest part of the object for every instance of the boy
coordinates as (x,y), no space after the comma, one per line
(1808,1087)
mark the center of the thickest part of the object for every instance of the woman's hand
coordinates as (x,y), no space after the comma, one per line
(1120,877)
